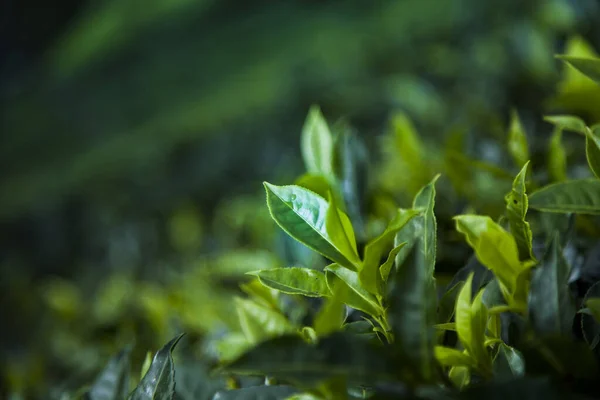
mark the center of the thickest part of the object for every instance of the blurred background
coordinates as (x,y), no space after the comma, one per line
(135,136)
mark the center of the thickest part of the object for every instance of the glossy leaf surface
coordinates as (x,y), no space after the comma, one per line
(294,280)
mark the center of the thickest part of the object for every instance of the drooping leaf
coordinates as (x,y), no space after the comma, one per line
(509,362)
(580,196)
(551,307)
(311,220)
(590,67)
(449,357)
(412,310)
(376,248)
(557,157)
(332,313)
(350,167)
(495,248)
(516,211)
(386,267)
(277,392)
(113,381)
(159,381)
(294,280)
(517,140)
(357,297)
(567,122)
(317,143)
(259,322)
(592,151)
(471,323)
(291,359)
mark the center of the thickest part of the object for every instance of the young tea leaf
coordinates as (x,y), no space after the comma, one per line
(294,280)
(590,67)
(386,267)
(449,357)
(159,381)
(551,307)
(113,381)
(357,297)
(517,140)
(567,123)
(580,196)
(311,220)
(317,143)
(259,322)
(516,211)
(332,313)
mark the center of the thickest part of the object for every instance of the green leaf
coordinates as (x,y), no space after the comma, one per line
(332,313)
(590,67)
(294,280)
(311,220)
(146,364)
(257,393)
(509,362)
(495,248)
(357,297)
(449,357)
(350,167)
(551,307)
(471,323)
(460,376)
(377,247)
(412,310)
(113,381)
(290,358)
(386,267)
(581,196)
(517,140)
(317,143)
(315,183)
(446,304)
(159,381)
(516,212)
(557,157)
(259,322)
(567,122)
(592,151)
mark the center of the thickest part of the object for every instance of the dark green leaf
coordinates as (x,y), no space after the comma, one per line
(350,167)
(567,122)
(551,307)
(516,211)
(291,359)
(159,381)
(311,220)
(590,67)
(517,140)
(509,363)
(193,381)
(257,393)
(524,388)
(294,280)
(357,297)
(317,143)
(113,381)
(580,196)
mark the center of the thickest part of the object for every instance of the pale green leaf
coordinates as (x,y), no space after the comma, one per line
(159,381)
(557,157)
(294,280)
(580,196)
(590,67)
(386,267)
(517,140)
(460,376)
(259,322)
(357,297)
(449,357)
(311,220)
(317,143)
(517,203)
(551,307)
(567,123)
